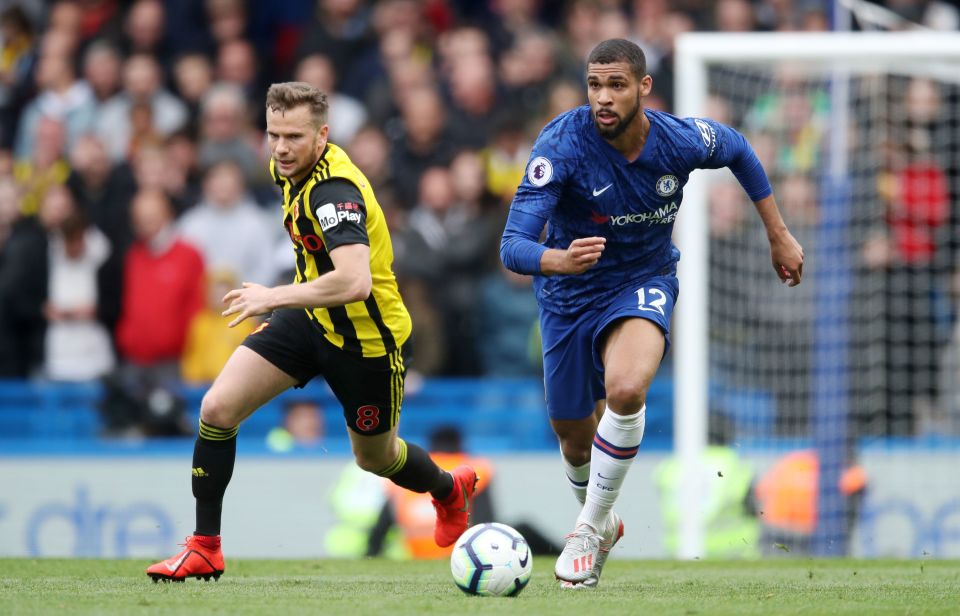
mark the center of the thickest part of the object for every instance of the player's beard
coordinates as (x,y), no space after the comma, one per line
(612,132)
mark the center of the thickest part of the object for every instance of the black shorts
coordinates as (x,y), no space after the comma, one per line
(369,388)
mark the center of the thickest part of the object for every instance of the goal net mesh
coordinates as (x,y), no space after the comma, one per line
(864,350)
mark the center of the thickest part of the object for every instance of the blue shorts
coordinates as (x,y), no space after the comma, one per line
(572,366)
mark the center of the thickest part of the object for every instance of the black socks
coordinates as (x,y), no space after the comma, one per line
(416,471)
(213,456)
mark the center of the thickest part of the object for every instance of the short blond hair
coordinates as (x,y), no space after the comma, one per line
(285,96)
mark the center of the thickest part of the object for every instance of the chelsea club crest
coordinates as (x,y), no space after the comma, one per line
(667,185)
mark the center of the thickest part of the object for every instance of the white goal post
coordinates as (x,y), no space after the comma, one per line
(837,54)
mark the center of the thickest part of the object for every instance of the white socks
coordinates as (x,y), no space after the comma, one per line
(614,448)
(578,477)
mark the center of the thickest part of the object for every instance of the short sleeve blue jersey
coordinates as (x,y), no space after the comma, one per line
(580,186)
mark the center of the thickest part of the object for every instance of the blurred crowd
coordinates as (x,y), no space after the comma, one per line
(133,182)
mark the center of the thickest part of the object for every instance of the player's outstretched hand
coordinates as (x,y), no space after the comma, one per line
(252,300)
(787,254)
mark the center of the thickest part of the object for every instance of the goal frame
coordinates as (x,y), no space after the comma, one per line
(839,52)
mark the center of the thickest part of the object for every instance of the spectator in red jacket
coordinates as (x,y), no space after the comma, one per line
(163,288)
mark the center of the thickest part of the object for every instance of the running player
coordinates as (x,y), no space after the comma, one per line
(342,319)
(608,177)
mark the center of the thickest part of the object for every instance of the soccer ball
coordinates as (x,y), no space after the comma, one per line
(491,560)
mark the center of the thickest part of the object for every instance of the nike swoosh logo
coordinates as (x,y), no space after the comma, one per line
(602,477)
(597,193)
(523,561)
(177,564)
(466,498)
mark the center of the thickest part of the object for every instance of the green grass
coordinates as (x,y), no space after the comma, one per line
(386,588)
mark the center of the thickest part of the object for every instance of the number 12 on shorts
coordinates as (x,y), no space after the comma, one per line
(654,303)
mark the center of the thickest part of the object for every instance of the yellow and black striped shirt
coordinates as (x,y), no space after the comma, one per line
(331,207)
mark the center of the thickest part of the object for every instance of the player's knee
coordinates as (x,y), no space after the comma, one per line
(216,412)
(626,397)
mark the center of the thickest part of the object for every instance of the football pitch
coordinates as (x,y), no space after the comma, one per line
(383,587)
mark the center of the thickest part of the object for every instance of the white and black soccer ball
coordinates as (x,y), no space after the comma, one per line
(491,560)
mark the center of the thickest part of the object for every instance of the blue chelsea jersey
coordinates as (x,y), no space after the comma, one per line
(583,187)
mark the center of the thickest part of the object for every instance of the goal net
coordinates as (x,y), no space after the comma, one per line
(838,384)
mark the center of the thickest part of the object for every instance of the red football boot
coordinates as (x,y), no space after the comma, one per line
(201,558)
(453,514)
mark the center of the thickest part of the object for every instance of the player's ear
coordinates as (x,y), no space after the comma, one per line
(646,85)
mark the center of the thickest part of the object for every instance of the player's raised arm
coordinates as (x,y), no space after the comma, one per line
(723,146)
